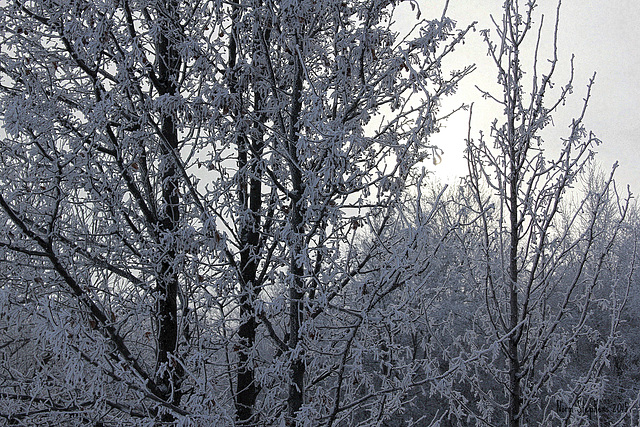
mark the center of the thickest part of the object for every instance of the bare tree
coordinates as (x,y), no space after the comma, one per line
(542,258)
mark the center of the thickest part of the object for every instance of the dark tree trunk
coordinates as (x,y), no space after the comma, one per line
(168,367)
(247,390)
(514,313)
(516,153)
(249,193)
(296,291)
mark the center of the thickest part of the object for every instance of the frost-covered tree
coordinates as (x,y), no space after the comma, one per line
(184,191)
(540,261)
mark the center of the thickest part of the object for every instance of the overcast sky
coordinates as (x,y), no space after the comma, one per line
(604,36)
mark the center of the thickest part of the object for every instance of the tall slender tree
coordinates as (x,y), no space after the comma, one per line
(542,258)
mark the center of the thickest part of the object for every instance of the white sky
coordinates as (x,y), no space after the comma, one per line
(604,35)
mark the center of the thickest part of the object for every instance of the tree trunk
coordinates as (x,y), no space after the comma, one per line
(249,193)
(514,338)
(515,153)
(168,367)
(296,292)
(247,390)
